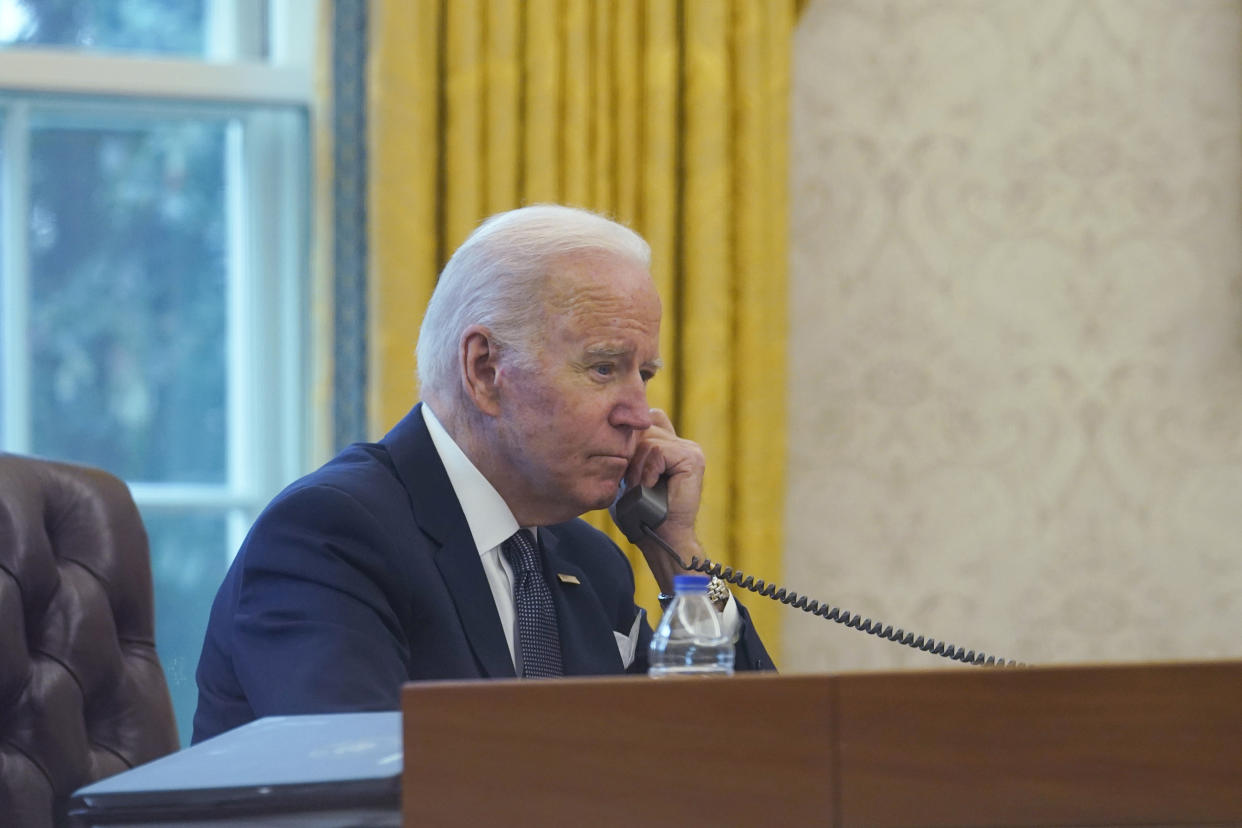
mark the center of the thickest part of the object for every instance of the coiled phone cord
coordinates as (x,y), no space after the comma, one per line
(825,610)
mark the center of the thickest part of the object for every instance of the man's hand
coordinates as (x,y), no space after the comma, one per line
(661,453)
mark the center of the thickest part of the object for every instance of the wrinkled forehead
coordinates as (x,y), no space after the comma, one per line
(600,282)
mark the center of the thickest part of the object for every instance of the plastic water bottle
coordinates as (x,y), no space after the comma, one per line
(691,639)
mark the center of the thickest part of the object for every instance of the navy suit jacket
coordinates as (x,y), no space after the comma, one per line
(364,575)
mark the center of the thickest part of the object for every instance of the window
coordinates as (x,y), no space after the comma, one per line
(154,192)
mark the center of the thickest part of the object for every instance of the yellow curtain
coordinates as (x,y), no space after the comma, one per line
(669,115)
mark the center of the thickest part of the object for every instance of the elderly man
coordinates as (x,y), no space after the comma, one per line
(452,548)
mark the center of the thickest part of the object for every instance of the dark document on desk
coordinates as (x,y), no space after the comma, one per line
(338,769)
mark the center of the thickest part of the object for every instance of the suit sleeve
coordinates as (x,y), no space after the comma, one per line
(749,654)
(314,628)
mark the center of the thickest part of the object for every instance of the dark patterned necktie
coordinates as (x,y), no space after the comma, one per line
(538,640)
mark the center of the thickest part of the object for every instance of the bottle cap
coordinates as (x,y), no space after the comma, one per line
(690,583)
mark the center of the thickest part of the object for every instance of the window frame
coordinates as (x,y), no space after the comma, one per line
(270,425)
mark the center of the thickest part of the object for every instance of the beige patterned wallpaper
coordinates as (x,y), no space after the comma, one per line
(1016,329)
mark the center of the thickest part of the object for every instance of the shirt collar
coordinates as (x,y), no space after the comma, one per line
(489,517)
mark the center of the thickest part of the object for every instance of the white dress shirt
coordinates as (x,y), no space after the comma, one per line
(491,524)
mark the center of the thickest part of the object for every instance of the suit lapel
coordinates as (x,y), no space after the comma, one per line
(439,515)
(588,646)
(459,564)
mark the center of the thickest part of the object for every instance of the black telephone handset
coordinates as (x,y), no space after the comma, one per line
(637,511)
(639,507)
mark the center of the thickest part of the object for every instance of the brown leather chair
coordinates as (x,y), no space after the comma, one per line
(82,693)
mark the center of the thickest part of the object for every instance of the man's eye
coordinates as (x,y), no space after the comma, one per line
(604,369)
(647,376)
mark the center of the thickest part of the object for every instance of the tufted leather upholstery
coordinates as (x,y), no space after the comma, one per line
(82,694)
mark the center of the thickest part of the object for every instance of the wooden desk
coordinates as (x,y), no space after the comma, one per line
(1150,744)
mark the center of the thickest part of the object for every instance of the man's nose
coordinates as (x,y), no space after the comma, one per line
(632,410)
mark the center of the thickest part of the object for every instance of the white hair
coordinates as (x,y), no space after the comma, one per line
(497,277)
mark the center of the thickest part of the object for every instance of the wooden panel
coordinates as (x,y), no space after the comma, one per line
(1137,744)
(1070,746)
(742,751)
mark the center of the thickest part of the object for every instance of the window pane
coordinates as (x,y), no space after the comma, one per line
(175,27)
(128,304)
(188,560)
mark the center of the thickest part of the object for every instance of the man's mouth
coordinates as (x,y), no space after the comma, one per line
(621,460)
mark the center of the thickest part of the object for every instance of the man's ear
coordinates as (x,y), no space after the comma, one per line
(480,366)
